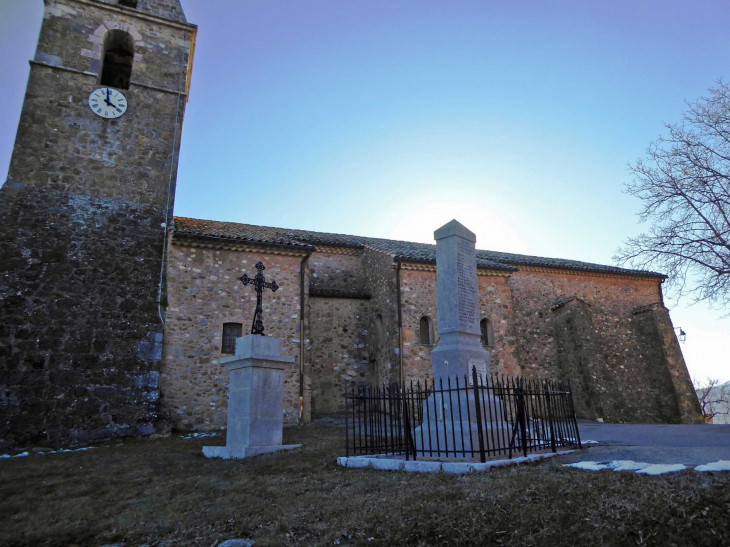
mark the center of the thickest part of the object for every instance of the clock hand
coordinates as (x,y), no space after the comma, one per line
(107,97)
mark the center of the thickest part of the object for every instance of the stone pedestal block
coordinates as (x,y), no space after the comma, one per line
(255,399)
(451,424)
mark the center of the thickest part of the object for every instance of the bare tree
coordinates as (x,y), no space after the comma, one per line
(684,183)
(714,398)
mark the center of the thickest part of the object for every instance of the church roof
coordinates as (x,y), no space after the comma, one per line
(404,250)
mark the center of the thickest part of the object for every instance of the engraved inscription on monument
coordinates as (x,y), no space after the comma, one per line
(481,366)
(467,292)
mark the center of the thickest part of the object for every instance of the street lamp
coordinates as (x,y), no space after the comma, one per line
(682,335)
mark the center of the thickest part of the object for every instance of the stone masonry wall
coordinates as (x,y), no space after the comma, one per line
(337,325)
(169,9)
(334,271)
(419,299)
(62,145)
(80,337)
(654,325)
(339,354)
(380,283)
(84,210)
(205,292)
(619,373)
(73,33)
(625,365)
(608,334)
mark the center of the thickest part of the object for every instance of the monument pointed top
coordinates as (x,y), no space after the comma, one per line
(455,228)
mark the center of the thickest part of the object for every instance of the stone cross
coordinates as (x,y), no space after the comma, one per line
(259,283)
(459,348)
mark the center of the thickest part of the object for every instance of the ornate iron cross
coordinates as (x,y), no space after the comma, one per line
(259,284)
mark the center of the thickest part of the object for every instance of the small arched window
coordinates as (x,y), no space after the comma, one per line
(379,335)
(425,328)
(231,331)
(128,3)
(117,59)
(485,325)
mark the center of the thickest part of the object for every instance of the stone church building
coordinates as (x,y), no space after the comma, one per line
(114,314)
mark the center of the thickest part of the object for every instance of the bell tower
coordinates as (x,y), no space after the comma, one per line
(85,214)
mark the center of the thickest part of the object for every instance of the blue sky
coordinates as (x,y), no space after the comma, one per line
(389,118)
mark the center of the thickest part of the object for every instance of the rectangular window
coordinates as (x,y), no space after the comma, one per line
(231,331)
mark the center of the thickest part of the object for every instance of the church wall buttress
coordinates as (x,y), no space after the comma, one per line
(339,353)
(598,341)
(382,344)
(338,328)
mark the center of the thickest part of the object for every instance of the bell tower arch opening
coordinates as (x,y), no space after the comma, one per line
(117,59)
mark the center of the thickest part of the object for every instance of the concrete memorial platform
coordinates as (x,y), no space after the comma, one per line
(255,399)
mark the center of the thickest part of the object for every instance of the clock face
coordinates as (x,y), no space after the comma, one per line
(107,102)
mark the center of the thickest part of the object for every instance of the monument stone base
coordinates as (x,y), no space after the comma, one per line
(255,399)
(230,453)
(445,427)
(462,437)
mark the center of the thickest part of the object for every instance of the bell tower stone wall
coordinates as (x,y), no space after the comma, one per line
(86,208)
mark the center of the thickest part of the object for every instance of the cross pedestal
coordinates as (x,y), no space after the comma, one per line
(255,399)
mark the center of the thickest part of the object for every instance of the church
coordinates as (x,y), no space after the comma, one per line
(114,313)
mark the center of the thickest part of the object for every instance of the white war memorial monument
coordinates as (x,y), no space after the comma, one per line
(255,389)
(459,350)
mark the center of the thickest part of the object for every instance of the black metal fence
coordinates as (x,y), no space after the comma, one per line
(480,418)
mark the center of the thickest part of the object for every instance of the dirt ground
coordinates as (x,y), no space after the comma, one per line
(164,492)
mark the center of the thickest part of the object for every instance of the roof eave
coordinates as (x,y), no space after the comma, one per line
(194,235)
(412,260)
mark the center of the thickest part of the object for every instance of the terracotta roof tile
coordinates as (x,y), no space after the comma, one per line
(406,250)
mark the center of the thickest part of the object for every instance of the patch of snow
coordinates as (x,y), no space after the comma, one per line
(16,456)
(50,452)
(627,465)
(661,468)
(722,465)
(589,442)
(648,468)
(60,450)
(199,435)
(590,466)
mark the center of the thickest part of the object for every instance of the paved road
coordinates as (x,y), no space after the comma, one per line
(663,443)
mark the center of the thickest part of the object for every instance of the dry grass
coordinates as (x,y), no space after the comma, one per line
(165,492)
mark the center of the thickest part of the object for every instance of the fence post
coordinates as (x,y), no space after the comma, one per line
(572,409)
(347,425)
(521,415)
(477,406)
(406,421)
(550,415)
